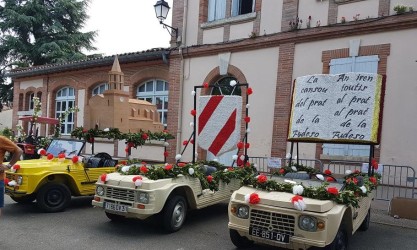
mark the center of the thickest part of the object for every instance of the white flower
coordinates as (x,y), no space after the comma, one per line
(13,170)
(166,144)
(234,157)
(106,130)
(295,158)
(364,190)
(191,171)
(225,170)
(215,159)
(247,105)
(288,156)
(320,177)
(300,205)
(125,169)
(193,93)
(248,130)
(138,182)
(297,189)
(348,172)
(233,83)
(12,183)
(242,157)
(178,157)
(80,159)
(290,181)
(192,124)
(294,168)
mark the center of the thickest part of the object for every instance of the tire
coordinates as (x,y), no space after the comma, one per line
(365,223)
(24,199)
(239,241)
(53,197)
(114,217)
(340,242)
(174,213)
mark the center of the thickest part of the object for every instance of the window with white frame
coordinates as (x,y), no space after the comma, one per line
(65,99)
(99,89)
(241,7)
(368,64)
(155,92)
(217,8)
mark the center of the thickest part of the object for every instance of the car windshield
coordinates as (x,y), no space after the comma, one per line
(68,147)
(308,183)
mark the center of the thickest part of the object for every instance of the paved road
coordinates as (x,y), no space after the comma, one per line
(84,227)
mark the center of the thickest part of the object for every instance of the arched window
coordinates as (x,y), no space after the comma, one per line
(155,92)
(99,89)
(223,87)
(31,104)
(65,99)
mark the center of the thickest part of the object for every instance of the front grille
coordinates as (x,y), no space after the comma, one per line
(10,176)
(120,194)
(280,223)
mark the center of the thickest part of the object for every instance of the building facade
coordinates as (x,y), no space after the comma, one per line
(266,43)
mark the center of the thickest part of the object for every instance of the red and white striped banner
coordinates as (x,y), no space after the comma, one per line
(219,119)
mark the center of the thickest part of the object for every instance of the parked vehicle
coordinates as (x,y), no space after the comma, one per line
(60,173)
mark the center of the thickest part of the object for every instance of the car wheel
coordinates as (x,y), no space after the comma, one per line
(24,199)
(114,217)
(340,242)
(174,213)
(53,197)
(239,241)
(365,224)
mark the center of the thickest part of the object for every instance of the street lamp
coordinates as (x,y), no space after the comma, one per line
(161,11)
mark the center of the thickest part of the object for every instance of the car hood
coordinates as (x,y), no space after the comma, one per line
(28,165)
(283,200)
(126,181)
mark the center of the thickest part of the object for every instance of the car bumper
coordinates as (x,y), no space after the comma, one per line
(132,212)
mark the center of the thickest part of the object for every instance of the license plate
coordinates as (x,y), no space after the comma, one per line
(115,207)
(265,234)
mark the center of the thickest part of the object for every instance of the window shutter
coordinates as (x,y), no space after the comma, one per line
(367,64)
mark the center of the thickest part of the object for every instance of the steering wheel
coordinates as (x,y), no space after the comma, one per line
(103,155)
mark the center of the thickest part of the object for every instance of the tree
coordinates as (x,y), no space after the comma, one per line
(38,32)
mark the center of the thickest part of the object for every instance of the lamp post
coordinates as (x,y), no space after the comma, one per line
(161,11)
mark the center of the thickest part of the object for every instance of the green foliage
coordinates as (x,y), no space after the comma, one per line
(38,32)
(7,132)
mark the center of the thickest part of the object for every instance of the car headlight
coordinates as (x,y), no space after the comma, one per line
(19,180)
(143,197)
(100,190)
(241,211)
(307,223)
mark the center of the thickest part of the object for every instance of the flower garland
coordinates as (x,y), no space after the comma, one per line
(196,170)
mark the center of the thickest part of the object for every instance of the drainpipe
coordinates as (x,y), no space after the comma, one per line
(181,100)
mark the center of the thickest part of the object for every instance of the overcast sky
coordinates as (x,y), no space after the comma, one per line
(126,26)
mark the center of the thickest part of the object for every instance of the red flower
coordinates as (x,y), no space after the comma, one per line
(249,91)
(282,171)
(168,167)
(205,85)
(62,155)
(262,178)
(143,169)
(42,152)
(240,145)
(181,164)
(145,136)
(296,198)
(247,119)
(193,112)
(192,141)
(374,164)
(74,159)
(50,156)
(91,140)
(166,153)
(356,171)
(103,177)
(123,162)
(84,130)
(247,164)
(327,172)
(254,198)
(184,142)
(333,190)
(6,181)
(355,181)
(247,145)
(137,178)
(329,179)
(373,180)
(209,178)
(127,149)
(230,169)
